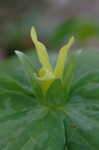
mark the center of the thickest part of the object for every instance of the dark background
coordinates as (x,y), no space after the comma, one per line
(55,20)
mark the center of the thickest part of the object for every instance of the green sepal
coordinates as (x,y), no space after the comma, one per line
(31,73)
(55,95)
(7,83)
(69,75)
(26,125)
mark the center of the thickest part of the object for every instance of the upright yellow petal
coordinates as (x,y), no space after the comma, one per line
(34,35)
(62,57)
(41,51)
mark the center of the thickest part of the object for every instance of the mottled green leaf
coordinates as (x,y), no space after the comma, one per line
(24,125)
(82,115)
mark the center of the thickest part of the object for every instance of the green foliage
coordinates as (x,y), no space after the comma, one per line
(57,122)
(80,28)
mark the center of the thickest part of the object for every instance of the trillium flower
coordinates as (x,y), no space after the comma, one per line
(46,74)
(41,80)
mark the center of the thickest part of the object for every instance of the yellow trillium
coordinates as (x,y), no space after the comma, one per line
(46,73)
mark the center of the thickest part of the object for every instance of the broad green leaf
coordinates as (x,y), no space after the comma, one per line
(83,130)
(82,110)
(82,116)
(24,125)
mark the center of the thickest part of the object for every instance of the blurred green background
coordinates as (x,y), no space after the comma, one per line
(55,20)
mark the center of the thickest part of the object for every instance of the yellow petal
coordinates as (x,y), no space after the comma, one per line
(62,58)
(41,51)
(34,35)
